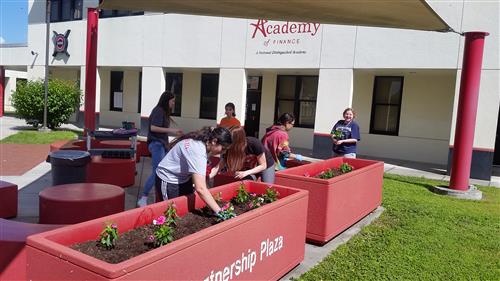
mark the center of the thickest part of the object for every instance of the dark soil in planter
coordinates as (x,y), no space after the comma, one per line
(134,242)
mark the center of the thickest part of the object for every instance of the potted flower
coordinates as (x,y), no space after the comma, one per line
(261,244)
(336,203)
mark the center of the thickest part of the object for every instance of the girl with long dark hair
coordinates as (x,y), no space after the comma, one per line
(159,130)
(276,141)
(185,164)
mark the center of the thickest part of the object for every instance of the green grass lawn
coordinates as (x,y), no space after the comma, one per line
(36,137)
(421,236)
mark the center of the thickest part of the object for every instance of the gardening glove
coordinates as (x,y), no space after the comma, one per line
(299,157)
(220,216)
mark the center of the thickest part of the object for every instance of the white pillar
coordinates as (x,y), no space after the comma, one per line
(232,88)
(153,85)
(335,91)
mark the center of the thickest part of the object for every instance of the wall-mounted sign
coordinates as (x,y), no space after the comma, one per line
(61,43)
(283,44)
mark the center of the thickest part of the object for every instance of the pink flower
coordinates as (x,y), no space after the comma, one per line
(114,226)
(159,221)
(225,207)
(253,194)
(151,238)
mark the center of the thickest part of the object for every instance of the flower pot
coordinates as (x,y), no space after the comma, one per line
(337,203)
(262,244)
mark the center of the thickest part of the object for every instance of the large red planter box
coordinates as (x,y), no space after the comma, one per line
(263,244)
(337,203)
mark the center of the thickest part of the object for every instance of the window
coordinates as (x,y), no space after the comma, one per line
(65,10)
(117,13)
(173,83)
(297,94)
(116,91)
(209,93)
(386,105)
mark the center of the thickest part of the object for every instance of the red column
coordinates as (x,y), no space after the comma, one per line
(467,108)
(90,69)
(2,89)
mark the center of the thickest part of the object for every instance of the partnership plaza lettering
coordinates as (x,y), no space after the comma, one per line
(247,261)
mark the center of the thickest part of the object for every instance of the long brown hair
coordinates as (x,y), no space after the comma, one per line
(235,155)
(164,103)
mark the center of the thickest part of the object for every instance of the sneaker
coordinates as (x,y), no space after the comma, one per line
(142,202)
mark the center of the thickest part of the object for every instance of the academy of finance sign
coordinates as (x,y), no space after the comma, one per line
(274,41)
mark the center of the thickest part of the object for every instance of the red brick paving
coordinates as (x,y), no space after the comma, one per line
(17,159)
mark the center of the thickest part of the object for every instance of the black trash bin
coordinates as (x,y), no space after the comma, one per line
(68,166)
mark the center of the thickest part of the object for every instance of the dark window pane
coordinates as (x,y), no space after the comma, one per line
(78,9)
(120,13)
(106,13)
(307,113)
(116,87)
(386,118)
(388,90)
(309,89)
(174,85)
(54,10)
(297,95)
(285,106)
(386,105)
(209,93)
(66,10)
(286,86)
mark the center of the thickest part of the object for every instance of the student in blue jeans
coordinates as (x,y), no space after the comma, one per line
(159,130)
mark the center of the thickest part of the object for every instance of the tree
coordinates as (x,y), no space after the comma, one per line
(63,98)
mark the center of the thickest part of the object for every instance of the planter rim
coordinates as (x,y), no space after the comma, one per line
(286,173)
(42,242)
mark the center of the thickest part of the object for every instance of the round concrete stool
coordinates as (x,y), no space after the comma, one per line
(8,200)
(114,171)
(78,202)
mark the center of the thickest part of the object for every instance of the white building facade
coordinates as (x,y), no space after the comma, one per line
(402,84)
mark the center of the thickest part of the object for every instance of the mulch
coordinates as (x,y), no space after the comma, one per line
(17,159)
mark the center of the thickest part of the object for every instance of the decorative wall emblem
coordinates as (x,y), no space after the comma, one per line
(61,43)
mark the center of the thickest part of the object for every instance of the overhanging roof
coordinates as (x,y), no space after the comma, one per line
(408,14)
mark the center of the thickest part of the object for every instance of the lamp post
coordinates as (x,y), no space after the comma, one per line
(46,81)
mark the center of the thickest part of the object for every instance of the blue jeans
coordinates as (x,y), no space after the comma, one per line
(158,151)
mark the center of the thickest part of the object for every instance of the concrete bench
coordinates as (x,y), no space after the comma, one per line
(8,200)
(79,202)
(13,236)
(114,171)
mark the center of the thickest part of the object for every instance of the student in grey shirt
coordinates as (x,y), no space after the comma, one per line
(186,164)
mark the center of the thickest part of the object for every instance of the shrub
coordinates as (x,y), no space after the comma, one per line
(63,98)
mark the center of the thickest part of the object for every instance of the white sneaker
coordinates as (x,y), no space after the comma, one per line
(142,202)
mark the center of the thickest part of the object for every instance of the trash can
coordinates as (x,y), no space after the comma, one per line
(68,166)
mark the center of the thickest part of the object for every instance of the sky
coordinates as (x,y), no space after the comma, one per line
(13,21)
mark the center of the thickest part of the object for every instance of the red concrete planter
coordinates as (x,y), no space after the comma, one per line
(263,244)
(337,203)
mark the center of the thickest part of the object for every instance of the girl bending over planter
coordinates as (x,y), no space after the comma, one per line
(345,135)
(247,158)
(276,141)
(186,164)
